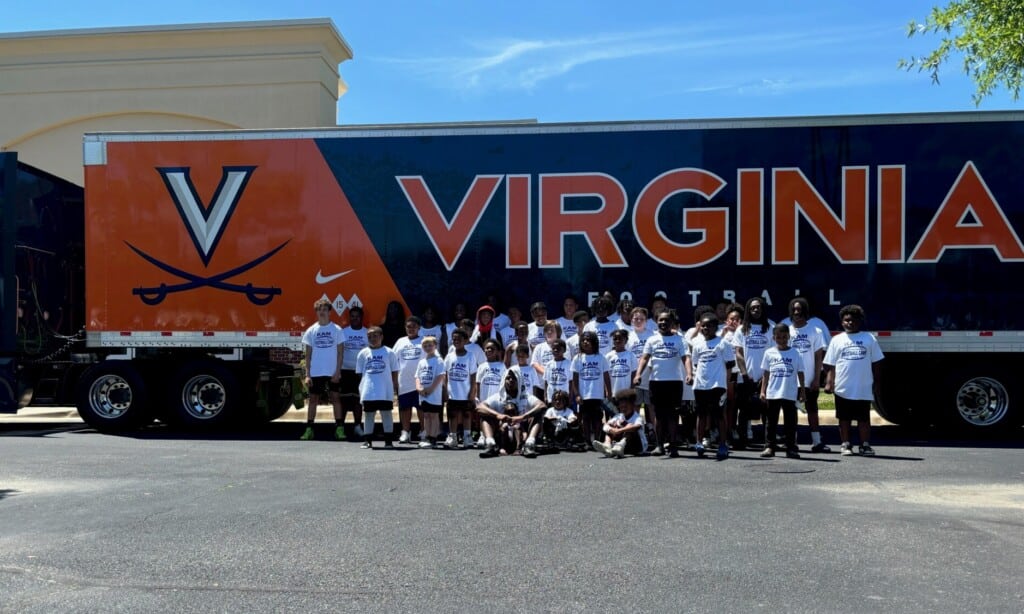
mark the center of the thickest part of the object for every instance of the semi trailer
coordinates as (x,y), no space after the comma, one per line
(205,251)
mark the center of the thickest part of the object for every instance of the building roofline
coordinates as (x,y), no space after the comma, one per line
(186,27)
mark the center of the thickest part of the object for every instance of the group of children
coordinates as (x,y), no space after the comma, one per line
(516,383)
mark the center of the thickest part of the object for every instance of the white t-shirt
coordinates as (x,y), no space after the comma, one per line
(524,402)
(508,336)
(812,321)
(409,352)
(433,331)
(621,366)
(557,374)
(376,367)
(635,344)
(591,369)
(475,337)
(754,345)
(324,340)
(572,346)
(490,378)
(782,367)
(429,369)
(461,370)
(604,332)
(667,353)
(620,420)
(852,355)
(474,349)
(541,354)
(536,334)
(502,321)
(807,341)
(568,327)
(709,358)
(355,340)
(559,414)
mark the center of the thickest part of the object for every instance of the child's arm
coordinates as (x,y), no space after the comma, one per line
(764,386)
(441,377)
(830,380)
(574,388)
(800,390)
(607,385)
(640,369)
(688,366)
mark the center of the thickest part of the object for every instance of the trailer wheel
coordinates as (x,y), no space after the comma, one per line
(112,397)
(280,399)
(981,402)
(203,394)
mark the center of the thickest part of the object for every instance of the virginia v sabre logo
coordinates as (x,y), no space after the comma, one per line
(206,224)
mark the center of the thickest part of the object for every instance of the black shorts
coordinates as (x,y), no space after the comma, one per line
(408,400)
(458,406)
(381,406)
(667,396)
(852,409)
(430,408)
(592,409)
(321,386)
(350,383)
(708,402)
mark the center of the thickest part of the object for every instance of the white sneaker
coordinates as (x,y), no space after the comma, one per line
(425,444)
(602,447)
(451,442)
(706,442)
(359,430)
(404,437)
(481,442)
(846,449)
(619,451)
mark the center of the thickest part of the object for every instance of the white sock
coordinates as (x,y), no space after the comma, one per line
(490,441)
(815,438)
(530,441)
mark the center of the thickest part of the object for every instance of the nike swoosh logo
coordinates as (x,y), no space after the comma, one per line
(321,279)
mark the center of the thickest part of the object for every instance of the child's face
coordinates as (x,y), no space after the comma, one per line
(557,352)
(558,402)
(550,335)
(781,338)
(619,343)
(375,339)
(458,342)
(486,317)
(540,315)
(514,314)
(708,328)
(664,324)
(733,320)
(491,352)
(570,307)
(429,347)
(756,309)
(639,321)
(582,322)
(412,329)
(850,323)
(522,332)
(523,358)
(587,345)
(796,313)
(323,313)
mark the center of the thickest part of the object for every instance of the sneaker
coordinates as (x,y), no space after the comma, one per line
(481,442)
(358,430)
(307,434)
(339,433)
(404,437)
(366,446)
(723,451)
(706,442)
(530,450)
(699,449)
(846,449)
(673,452)
(489,452)
(602,447)
(620,451)
(425,444)
(657,451)
(867,450)
(449,442)
(822,448)
(388,445)
(792,453)
(768,453)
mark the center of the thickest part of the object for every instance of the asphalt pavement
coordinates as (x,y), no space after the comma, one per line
(257,521)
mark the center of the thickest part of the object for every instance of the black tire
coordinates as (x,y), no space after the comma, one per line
(280,399)
(983,401)
(112,397)
(203,394)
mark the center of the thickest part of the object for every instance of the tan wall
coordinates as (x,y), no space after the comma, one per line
(54,86)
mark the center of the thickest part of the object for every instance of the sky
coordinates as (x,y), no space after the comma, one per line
(578,60)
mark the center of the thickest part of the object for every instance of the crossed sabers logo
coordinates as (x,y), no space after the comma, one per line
(206,225)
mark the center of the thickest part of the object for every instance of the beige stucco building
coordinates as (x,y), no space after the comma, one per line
(56,85)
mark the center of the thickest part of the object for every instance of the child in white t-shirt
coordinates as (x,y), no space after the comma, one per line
(460,366)
(853,371)
(782,385)
(713,358)
(621,362)
(591,383)
(430,378)
(490,374)
(378,366)
(557,372)
(323,343)
(624,432)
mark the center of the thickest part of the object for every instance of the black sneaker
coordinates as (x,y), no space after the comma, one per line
(867,450)
(792,453)
(489,452)
(820,448)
